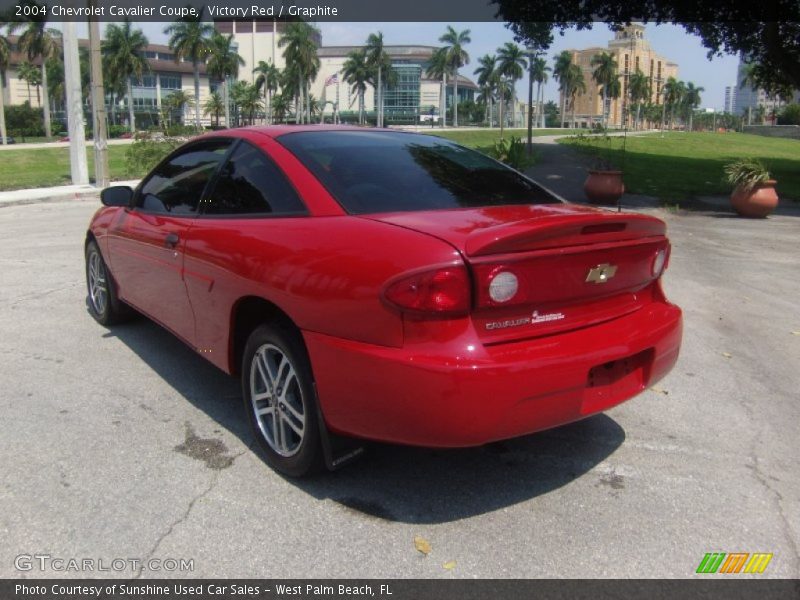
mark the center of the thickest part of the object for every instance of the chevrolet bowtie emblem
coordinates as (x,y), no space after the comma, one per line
(601,273)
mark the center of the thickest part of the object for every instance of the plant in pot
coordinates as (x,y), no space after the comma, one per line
(604,183)
(754,192)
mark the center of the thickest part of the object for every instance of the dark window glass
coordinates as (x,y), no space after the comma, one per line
(371,172)
(251,183)
(176,187)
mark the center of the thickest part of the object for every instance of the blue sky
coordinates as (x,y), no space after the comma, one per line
(669,40)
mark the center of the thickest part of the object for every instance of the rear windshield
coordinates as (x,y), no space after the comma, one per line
(373,172)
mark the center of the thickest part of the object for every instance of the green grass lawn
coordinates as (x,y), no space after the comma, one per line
(44,167)
(678,166)
(486,138)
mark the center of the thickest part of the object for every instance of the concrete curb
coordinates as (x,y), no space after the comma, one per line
(65,193)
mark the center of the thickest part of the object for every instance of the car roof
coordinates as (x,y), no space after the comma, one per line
(275,131)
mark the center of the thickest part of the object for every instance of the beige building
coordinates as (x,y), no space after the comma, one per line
(631,51)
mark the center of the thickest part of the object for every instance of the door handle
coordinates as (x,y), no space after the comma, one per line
(172,240)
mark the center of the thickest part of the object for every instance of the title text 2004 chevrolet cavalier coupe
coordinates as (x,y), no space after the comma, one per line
(385,285)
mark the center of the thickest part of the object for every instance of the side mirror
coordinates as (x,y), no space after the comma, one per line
(118,195)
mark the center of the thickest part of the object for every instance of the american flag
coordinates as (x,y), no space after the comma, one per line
(332,79)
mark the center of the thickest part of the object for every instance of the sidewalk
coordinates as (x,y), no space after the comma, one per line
(62,193)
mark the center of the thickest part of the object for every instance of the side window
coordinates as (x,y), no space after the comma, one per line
(250,183)
(177,185)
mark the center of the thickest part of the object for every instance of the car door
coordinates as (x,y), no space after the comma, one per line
(146,245)
(239,238)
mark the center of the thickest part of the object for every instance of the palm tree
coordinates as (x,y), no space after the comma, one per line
(214,105)
(638,91)
(487,76)
(673,91)
(178,101)
(280,107)
(123,57)
(503,91)
(248,99)
(31,76)
(604,74)
(223,62)
(301,58)
(269,78)
(38,41)
(356,72)
(561,67)
(576,85)
(189,40)
(691,100)
(438,68)
(5,55)
(381,64)
(511,64)
(456,57)
(539,75)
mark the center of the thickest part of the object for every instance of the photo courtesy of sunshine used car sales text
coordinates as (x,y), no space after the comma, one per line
(186,590)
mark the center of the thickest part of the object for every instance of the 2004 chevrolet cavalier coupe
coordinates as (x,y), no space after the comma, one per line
(385,285)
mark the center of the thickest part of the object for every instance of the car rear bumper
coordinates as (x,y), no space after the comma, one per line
(412,397)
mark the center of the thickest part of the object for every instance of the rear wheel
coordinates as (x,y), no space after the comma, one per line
(279,398)
(104,305)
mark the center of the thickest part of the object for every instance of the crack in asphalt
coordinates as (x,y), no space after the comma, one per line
(182,519)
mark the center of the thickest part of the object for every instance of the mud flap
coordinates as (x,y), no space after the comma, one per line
(338,450)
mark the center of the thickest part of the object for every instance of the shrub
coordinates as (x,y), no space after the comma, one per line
(114,131)
(790,115)
(24,121)
(145,152)
(513,152)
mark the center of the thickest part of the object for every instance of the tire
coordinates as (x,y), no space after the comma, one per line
(280,400)
(104,305)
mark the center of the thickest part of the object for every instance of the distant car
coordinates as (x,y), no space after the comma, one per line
(8,140)
(64,138)
(385,285)
(126,136)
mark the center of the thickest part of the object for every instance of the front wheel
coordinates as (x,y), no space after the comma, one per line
(279,398)
(104,305)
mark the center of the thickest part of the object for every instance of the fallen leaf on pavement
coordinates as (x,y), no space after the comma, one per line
(449,565)
(422,545)
(659,391)
(727,355)
(796,333)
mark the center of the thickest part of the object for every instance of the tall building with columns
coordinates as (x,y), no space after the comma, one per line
(632,52)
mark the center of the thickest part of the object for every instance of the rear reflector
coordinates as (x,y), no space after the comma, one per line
(439,292)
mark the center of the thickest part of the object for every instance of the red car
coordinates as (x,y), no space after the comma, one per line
(368,284)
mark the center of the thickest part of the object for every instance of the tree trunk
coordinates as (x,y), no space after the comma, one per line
(130,106)
(301,108)
(455,99)
(563,108)
(379,119)
(664,116)
(636,124)
(691,119)
(605,122)
(3,134)
(443,101)
(500,103)
(268,98)
(227,104)
(196,66)
(46,106)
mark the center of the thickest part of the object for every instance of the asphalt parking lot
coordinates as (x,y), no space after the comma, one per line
(124,444)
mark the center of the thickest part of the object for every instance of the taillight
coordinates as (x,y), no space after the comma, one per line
(660,262)
(444,291)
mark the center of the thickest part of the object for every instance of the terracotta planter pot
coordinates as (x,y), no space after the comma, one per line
(604,187)
(756,203)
